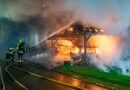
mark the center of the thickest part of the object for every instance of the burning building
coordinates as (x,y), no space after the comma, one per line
(74,41)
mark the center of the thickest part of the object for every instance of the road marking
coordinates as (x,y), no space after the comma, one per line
(21,85)
(49,79)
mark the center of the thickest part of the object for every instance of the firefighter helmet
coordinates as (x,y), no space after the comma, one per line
(13,49)
(20,41)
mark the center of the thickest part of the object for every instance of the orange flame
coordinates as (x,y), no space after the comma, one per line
(65,47)
(102,45)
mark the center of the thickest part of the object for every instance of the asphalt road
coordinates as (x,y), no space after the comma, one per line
(9,83)
(34,83)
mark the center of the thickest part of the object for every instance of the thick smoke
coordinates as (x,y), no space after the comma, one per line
(29,16)
(31,21)
(20,10)
(111,15)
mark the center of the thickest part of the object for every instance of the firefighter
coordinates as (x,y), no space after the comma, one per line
(21,50)
(10,55)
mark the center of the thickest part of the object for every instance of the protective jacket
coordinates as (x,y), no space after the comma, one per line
(10,55)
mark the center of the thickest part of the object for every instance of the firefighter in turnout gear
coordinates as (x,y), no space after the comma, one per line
(10,55)
(20,50)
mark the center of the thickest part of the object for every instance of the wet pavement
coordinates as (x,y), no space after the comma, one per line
(60,77)
(34,83)
(9,83)
(31,82)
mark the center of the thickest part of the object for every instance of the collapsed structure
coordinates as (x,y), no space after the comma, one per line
(72,43)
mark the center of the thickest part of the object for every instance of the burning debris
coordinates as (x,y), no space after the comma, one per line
(72,42)
(47,16)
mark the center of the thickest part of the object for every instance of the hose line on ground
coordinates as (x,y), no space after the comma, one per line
(49,79)
(2,80)
(42,77)
(21,85)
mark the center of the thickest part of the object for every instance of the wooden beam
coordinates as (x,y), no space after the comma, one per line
(85,47)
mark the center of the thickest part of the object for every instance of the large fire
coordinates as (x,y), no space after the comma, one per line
(65,47)
(102,44)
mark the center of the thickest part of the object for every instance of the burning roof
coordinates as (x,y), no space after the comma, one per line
(74,39)
(75,31)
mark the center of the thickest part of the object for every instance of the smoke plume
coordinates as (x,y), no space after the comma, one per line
(51,15)
(113,17)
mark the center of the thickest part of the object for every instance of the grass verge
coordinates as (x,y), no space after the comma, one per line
(94,75)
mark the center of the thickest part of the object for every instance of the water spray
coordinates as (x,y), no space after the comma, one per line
(52,34)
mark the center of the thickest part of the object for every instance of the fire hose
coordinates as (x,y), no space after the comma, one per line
(21,85)
(2,81)
(49,79)
(6,69)
(42,77)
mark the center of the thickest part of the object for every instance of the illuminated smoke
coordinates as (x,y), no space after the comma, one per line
(53,33)
(111,15)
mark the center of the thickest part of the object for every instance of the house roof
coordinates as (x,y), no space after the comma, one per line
(75,31)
